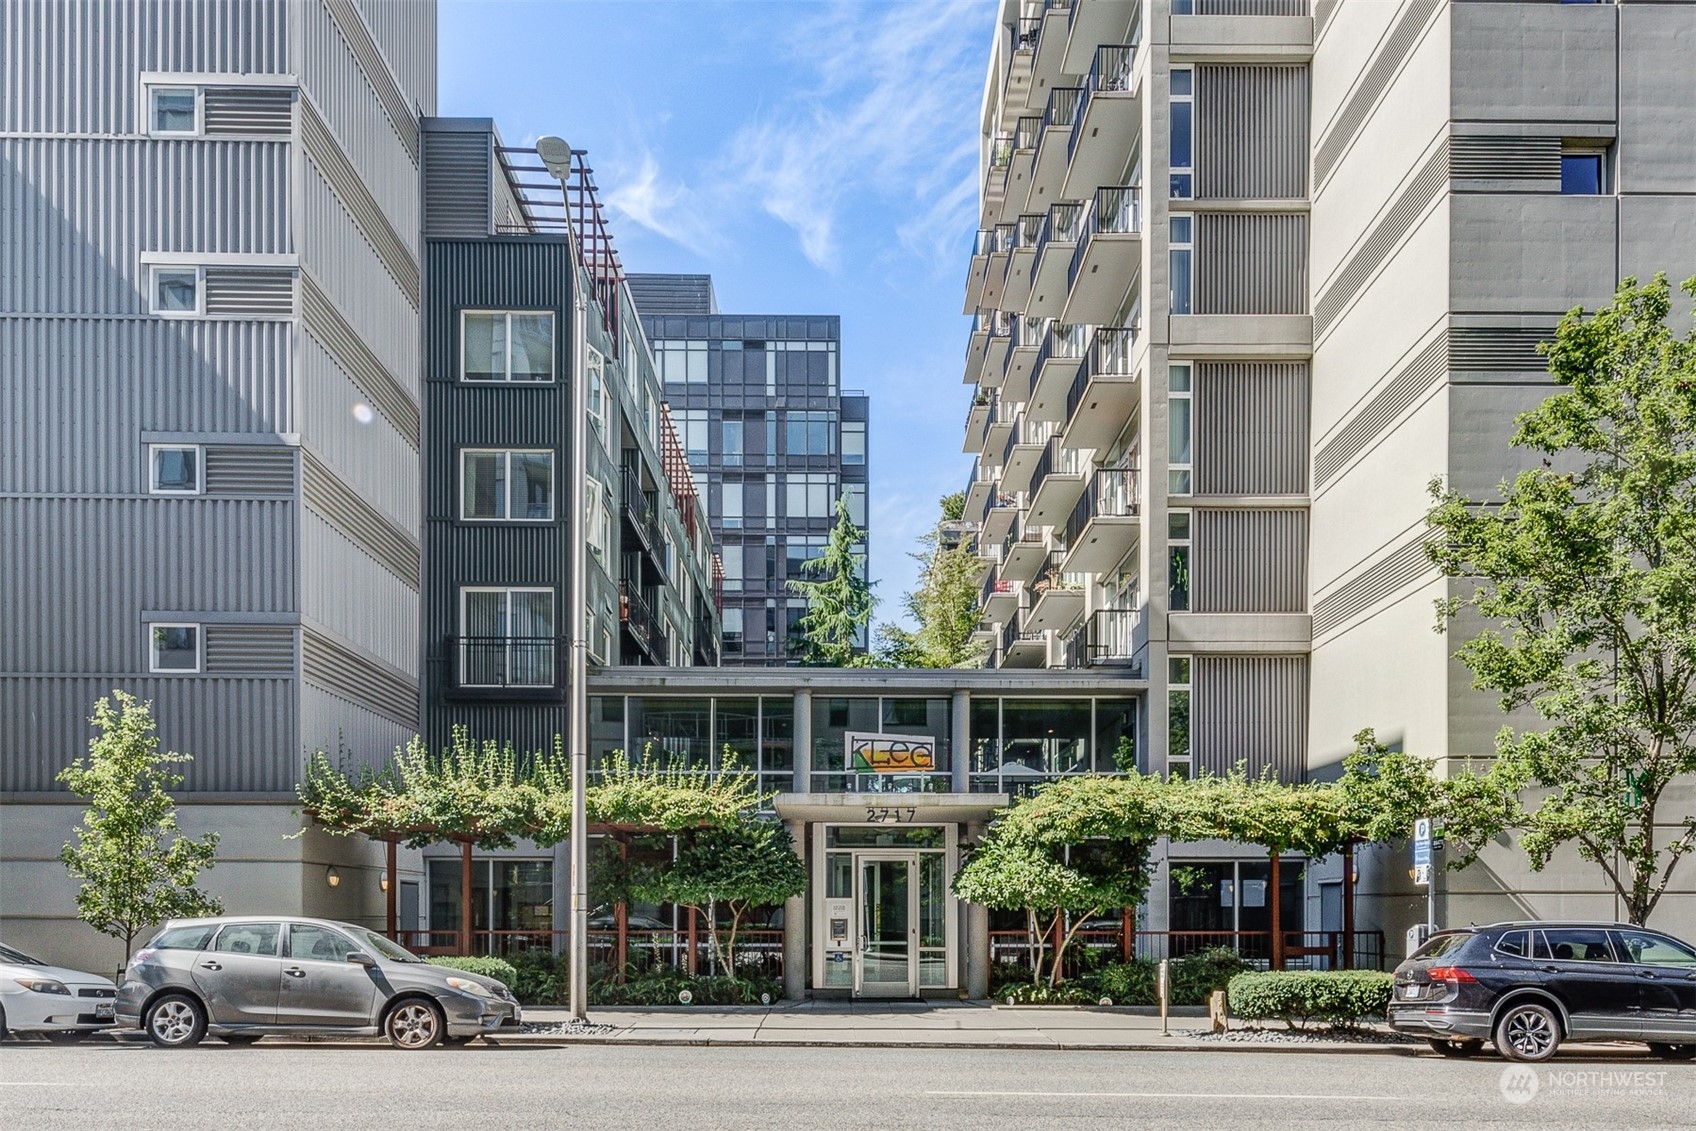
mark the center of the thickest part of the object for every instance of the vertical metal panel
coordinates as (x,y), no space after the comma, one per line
(345,589)
(357,36)
(1250,710)
(405,32)
(337,725)
(370,454)
(1251,131)
(329,664)
(458,175)
(333,165)
(347,350)
(1251,428)
(1251,263)
(339,505)
(1249,561)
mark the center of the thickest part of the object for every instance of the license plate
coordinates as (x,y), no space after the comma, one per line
(103,1013)
(1410,991)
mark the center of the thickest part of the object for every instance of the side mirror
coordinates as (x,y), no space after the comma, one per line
(361,958)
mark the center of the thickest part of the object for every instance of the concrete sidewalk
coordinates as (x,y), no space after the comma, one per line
(976,1024)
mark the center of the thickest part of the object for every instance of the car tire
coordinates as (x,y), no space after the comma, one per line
(175,1021)
(414,1024)
(1672,1052)
(1528,1032)
(4,1032)
(242,1039)
(1459,1049)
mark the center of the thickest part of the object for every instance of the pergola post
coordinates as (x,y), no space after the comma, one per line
(621,915)
(1277,918)
(1348,905)
(389,888)
(465,897)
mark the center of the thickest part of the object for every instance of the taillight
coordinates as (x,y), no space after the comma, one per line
(1454,975)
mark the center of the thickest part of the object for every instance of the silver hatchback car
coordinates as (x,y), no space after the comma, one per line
(242,978)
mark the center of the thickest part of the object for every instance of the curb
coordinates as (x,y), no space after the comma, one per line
(544,1040)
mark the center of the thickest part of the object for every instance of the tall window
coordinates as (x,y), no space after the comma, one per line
(733,446)
(1178,757)
(1182,247)
(506,638)
(811,495)
(730,510)
(730,554)
(596,367)
(173,648)
(1178,561)
(506,485)
(506,345)
(682,363)
(1179,428)
(855,494)
(732,625)
(692,432)
(1182,159)
(811,434)
(799,550)
(854,442)
(599,522)
(173,469)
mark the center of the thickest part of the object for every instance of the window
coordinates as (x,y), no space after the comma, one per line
(173,469)
(732,450)
(812,434)
(173,110)
(512,485)
(506,638)
(599,521)
(1178,429)
(682,363)
(176,291)
(1583,171)
(1656,950)
(508,345)
(810,495)
(730,511)
(1178,561)
(318,944)
(730,556)
(854,442)
(173,648)
(692,432)
(733,628)
(248,938)
(1181,258)
(1580,944)
(596,367)
(1178,757)
(855,495)
(800,550)
(1181,160)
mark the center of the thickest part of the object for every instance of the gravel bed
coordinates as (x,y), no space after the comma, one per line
(566,1029)
(1302,1036)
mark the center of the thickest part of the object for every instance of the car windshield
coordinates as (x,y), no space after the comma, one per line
(385,948)
(1439,945)
(18,957)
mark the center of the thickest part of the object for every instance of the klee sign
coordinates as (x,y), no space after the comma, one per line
(890,753)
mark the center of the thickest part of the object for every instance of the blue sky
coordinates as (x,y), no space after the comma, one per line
(813,157)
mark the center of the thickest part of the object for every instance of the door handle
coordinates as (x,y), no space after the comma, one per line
(1551,969)
(1646,974)
(211,966)
(295,972)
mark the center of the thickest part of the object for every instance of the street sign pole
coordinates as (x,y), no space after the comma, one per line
(1422,867)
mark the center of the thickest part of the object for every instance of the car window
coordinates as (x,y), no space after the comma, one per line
(1580,944)
(184,938)
(247,938)
(1515,943)
(1540,945)
(319,943)
(392,951)
(1439,945)
(18,957)
(1656,950)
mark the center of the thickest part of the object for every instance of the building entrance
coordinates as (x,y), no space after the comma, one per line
(885,919)
(887,947)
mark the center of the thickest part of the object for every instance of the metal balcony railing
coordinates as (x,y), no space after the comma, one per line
(1110,355)
(1027,229)
(1111,636)
(638,619)
(1026,131)
(1000,151)
(1239,7)
(1112,493)
(504,663)
(985,240)
(1109,72)
(1062,108)
(1061,224)
(1057,460)
(1026,32)
(1115,210)
(1063,342)
(1050,577)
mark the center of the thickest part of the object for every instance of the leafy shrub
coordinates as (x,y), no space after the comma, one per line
(1341,998)
(1128,983)
(1196,975)
(497,968)
(1006,973)
(542,979)
(1041,993)
(662,985)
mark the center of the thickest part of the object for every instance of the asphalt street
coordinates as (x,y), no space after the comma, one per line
(300,1088)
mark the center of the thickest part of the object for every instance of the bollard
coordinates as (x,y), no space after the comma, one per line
(1161,984)
(1217,1013)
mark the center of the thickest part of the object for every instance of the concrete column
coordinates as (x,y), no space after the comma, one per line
(961,740)
(795,913)
(977,935)
(803,741)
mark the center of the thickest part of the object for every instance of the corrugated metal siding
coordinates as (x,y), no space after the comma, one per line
(249,469)
(71,68)
(1251,429)
(672,294)
(1418,376)
(343,728)
(1251,263)
(405,31)
(348,350)
(1516,158)
(1251,131)
(250,649)
(1367,589)
(1249,561)
(355,677)
(240,292)
(1498,349)
(347,592)
(1393,51)
(458,168)
(327,155)
(382,81)
(374,458)
(1374,251)
(1250,710)
(248,110)
(339,505)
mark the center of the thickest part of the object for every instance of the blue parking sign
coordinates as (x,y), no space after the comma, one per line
(1422,842)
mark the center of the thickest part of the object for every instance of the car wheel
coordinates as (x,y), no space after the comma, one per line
(175,1021)
(1529,1032)
(241,1038)
(1673,1052)
(1457,1048)
(414,1024)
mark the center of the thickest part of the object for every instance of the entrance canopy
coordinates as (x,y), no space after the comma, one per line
(890,807)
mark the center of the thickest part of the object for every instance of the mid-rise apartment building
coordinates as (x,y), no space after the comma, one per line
(760,408)
(1249,276)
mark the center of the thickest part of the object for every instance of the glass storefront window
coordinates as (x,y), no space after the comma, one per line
(673,732)
(1115,736)
(832,719)
(929,717)
(736,729)
(606,726)
(885,836)
(985,735)
(1044,737)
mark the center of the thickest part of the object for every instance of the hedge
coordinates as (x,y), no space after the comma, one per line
(499,969)
(1342,998)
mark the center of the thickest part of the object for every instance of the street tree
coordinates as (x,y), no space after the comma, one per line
(945,605)
(839,597)
(1583,574)
(136,867)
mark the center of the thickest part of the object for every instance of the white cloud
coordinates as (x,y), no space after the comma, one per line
(667,209)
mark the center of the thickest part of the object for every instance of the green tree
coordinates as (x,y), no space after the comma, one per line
(945,605)
(739,867)
(1584,575)
(839,597)
(136,867)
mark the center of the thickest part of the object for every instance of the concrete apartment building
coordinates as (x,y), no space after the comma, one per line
(759,405)
(1249,276)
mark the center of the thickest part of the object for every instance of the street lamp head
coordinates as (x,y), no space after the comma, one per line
(556,155)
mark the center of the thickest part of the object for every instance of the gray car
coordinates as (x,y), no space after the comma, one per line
(242,978)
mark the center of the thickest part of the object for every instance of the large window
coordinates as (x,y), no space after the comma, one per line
(730,555)
(732,442)
(811,495)
(507,345)
(596,367)
(1182,250)
(854,442)
(1179,428)
(811,434)
(682,363)
(1182,159)
(506,637)
(732,624)
(515,486)
(173,469)
(173,648)
(692,432)
(1178,561)
(730,511)
(854,494)
(1179,761)
(800,549)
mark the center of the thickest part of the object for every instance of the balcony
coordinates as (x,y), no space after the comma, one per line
(1022,37)
(1016,288)
(1108,256)
(1029,442)
(1056,367)
(639,626)
(976,343)
(979,492)
(1059,482)
(1053,146)
(505,667)
(1106,522)
(1099,21)
(1000,599)
(1025,133)
(995,349)
(1027,552)
(1049,63)
(998,520)
(706,643)
(995,274)
(978,269)
(1108,120)
(1054,247)
(1059,597)
(1021,648)
(998,157)
(1104,393)
(1021,357)
(640,511)
(1111,638)
(998,436)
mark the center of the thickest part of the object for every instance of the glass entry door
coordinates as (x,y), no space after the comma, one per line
(886,905)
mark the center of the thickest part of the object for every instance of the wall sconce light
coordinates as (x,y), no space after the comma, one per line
(383,881)
(332,877)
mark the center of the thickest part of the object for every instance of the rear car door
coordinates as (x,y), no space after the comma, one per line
(1599,991)
(1665,970)
(320,986)
(238,974)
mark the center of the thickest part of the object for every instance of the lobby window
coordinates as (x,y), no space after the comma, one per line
(1178,756)
(173,110)
(1181,159)
(173,648)
(506,637)
(1181,245)
(810,495)
(811,434)
(1178,561)
(173,469)
(513,486)
(1179,427)
(1583,171)
(854,442)
(507,345)
(176,291)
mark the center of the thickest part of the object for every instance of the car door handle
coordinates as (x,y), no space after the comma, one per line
(295,972)
(1551,969)
(1646,974)
(211,966)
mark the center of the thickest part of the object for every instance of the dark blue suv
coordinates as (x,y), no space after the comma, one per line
(1527,987)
